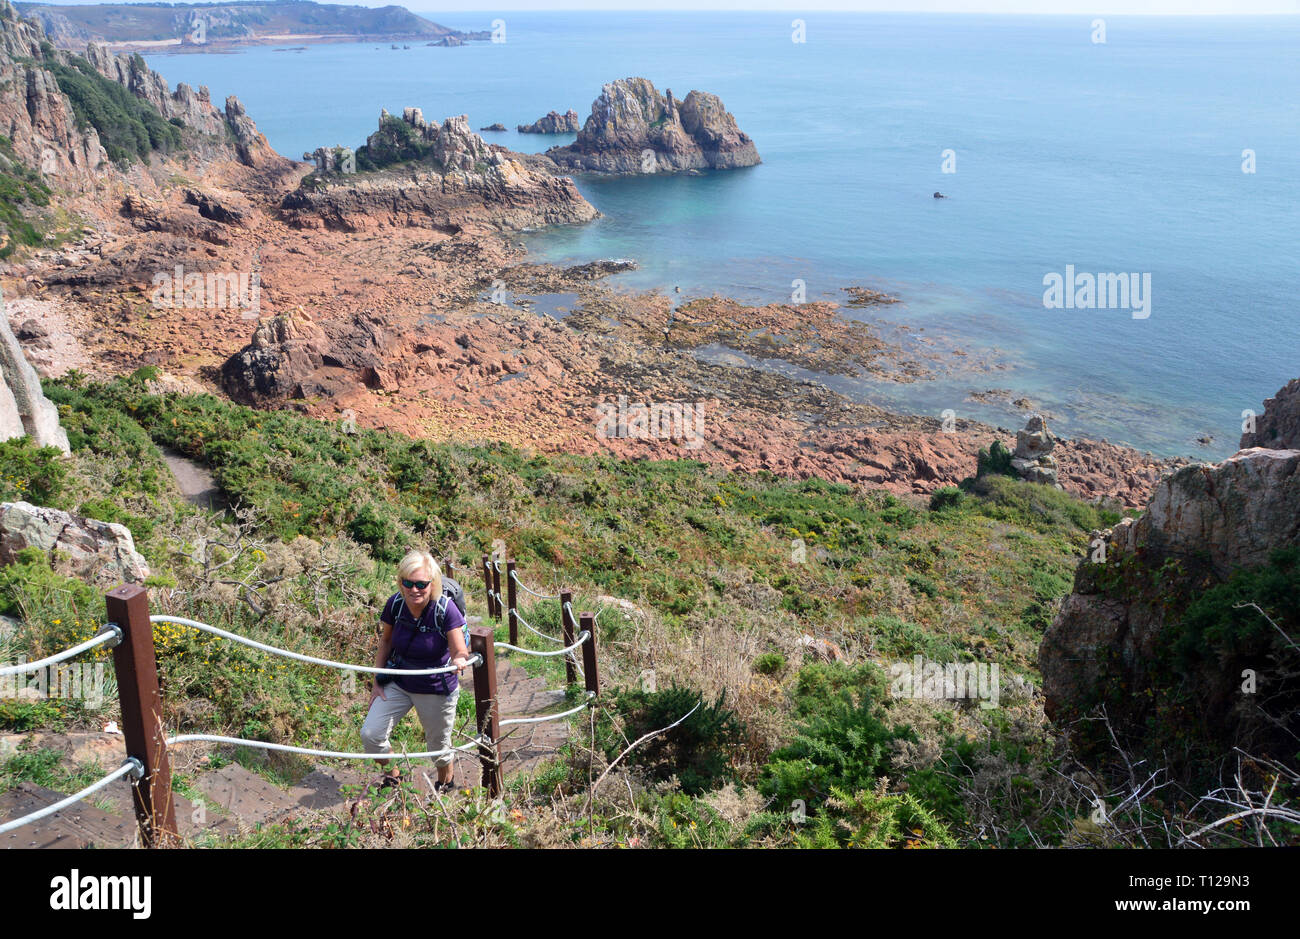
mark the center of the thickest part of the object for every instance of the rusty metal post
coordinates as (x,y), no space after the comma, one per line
(511,600)
(485,706)
(566,617)
(496,583)
(136,666)
(449,568)
(487,585)
(589,654)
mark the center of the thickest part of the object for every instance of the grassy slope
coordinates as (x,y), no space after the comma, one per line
(706,554)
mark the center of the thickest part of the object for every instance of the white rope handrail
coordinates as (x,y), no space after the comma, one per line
(582,637)
(530,626)
(111,631)
(474,658)
(549,717)
(336,754)
(132,765)
(520,583)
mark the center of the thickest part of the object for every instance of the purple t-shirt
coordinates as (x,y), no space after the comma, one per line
(421,644)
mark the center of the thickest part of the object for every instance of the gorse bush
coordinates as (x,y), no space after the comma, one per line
(995,461)
(697,751)
(842,739)
(874,819)
(29,473)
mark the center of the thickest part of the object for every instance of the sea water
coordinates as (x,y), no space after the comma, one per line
(1170,152)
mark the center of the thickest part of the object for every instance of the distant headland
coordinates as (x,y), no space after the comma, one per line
(209,27)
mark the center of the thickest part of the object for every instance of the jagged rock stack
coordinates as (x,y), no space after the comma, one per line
(631,122)
(459,182)
(553,123)
(1033,459)
(1278,428)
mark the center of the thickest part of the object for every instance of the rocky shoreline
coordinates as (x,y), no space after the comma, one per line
(401,298)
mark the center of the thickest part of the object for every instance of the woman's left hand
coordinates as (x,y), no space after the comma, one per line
(460,661)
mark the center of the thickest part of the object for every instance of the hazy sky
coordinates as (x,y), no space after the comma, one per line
(1077,7)
(1080,7)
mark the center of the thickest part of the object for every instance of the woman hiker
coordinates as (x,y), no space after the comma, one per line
(421,629)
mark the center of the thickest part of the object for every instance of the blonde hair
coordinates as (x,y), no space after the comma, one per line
(413,561)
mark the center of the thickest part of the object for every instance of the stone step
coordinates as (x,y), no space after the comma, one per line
(78,826)
(244,795)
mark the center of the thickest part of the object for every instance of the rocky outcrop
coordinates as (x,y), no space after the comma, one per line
(36,116)
(40,122)
(460,182)
(1278,428)
(1032,458)
(286,350)
(250,143)
(496,128)
(1120,639)
(553,123)
(24,409)
(228,208)
(635,129)
(103,552)
(292,357)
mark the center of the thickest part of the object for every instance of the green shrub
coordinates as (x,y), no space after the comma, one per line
(769,663)
(874,819)
(30,473)
(947,498)
(995,461)
(697,751)
(841,742)
(21,189)
(51,604)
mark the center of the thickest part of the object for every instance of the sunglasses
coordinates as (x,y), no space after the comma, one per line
(415,584)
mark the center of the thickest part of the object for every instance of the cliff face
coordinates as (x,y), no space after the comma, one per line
(1145,632)
(457,182)
(1278,428)
(36,116)
(41,122)
(635,129)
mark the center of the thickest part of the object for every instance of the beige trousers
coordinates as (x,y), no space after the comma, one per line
(437,716)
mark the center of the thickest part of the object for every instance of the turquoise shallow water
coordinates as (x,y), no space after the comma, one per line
(1122,157)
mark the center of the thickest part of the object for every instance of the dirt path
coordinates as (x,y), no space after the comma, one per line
(230,799)
(196,482)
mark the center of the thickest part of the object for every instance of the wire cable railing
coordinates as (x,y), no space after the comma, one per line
(530,627)
(522,586)
(111,633)
(132,765)
(549,717)
(331,754)
(582,637)
(474,659)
